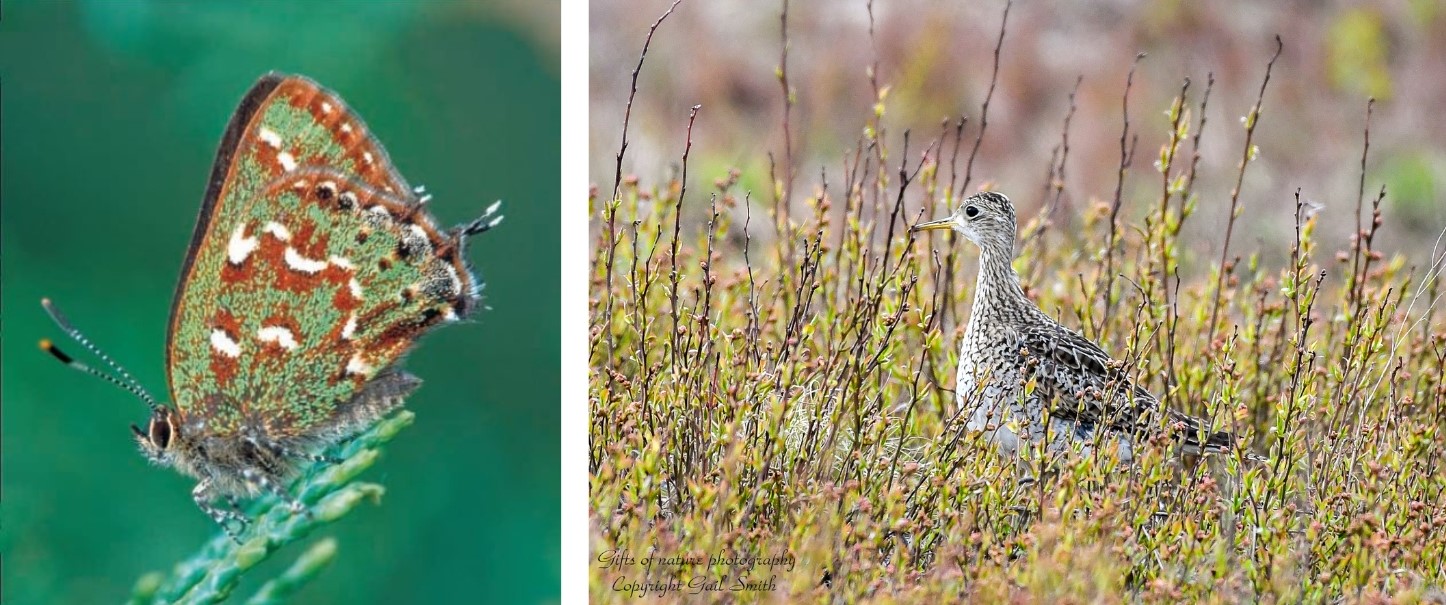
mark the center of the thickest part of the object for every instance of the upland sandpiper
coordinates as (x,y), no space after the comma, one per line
(1019,368)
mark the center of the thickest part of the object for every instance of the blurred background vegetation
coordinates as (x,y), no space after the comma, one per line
(936,58)
(112,112)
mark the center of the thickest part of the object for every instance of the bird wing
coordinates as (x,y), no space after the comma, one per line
(1088,386)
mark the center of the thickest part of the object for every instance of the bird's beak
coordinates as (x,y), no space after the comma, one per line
(943,223)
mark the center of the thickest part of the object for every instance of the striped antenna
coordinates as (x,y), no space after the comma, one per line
(126,381)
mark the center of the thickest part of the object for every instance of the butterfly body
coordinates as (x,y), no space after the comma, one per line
(313,269)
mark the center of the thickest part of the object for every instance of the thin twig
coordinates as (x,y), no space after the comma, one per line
(1251,121)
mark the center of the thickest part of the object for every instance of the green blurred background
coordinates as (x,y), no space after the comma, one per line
(111,115)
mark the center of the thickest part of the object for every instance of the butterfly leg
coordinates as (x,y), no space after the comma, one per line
(235,505)
(314,457)
(287,452)
(202,495)
(265,482)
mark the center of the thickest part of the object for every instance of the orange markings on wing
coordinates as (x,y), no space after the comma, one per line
(223,368)
(333,335)
(298,93)
(371,317)
(309,242)
(271,259)
(266,155)
(273,348)
(340,376)
(283,320)
(224,320)
(344,301)
(235,274)
(368,160)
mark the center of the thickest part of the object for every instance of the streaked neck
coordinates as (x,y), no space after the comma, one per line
(997,288)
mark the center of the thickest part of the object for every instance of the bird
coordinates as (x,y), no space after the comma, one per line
(1020,369)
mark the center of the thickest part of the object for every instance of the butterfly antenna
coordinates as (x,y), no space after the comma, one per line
(488,220)
(126,381)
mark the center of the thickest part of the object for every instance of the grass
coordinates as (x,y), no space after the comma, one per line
(772,379)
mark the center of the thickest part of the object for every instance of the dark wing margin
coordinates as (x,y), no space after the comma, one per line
(220,169)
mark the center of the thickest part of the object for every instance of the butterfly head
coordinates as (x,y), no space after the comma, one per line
(161,433)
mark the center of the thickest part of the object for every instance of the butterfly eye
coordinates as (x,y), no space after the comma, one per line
(971,211)
(160,431)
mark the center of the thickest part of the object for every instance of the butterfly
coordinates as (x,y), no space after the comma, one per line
(313,269)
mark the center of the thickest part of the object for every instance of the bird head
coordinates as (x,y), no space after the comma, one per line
(985,218)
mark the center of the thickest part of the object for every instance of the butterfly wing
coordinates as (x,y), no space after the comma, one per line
(313,268)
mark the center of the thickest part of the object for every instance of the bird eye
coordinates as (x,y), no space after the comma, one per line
(971,211)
